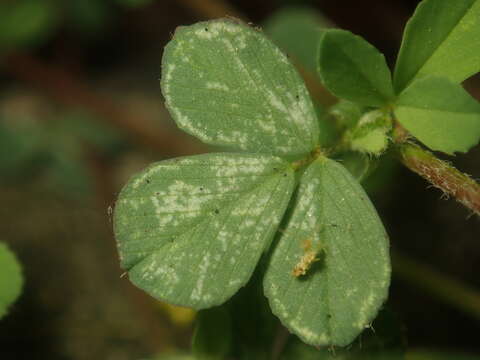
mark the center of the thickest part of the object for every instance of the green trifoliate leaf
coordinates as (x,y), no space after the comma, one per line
(288,25)
(330,271)
(441,114)
(227,84)
(212,337)
(354,70)
(443,39)
(190,230)
(11,280)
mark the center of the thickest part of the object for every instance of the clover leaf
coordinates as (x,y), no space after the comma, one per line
(440,113)
(442,39)
(354,70)
(221,79)
(191,230)
(348,277)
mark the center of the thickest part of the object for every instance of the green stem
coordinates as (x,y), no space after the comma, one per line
(442,175)
(445,288)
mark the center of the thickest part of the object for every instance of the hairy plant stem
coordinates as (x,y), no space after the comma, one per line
(442,175)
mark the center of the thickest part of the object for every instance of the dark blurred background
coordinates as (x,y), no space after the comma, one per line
(81,111)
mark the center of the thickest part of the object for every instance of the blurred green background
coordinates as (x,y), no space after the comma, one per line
(81,111)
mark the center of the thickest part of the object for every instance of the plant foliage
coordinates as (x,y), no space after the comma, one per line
(192,230)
